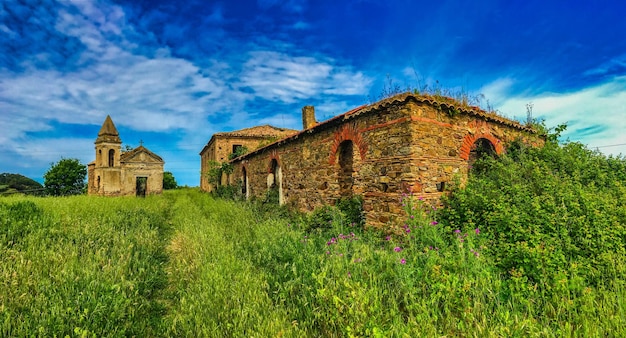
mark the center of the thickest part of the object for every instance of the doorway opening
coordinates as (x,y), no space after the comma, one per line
(141,186)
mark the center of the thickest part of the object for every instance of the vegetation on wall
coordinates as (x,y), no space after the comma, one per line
(554,217)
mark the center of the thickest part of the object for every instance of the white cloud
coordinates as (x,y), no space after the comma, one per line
(126,73)
(280,77)
(595,116)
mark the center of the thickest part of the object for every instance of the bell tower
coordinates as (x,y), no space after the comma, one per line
(107,168)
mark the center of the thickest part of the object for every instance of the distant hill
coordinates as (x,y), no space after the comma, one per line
(16,183)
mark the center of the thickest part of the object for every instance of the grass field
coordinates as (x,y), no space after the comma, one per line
(185,264)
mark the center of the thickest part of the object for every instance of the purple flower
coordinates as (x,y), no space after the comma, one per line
(408,230)
(388,238)
(477,231)
(457,231)
(403,261)
(420,198)
(434,223)
(397,249)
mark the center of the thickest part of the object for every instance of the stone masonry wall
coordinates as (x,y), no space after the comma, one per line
(399,145)
(221,149)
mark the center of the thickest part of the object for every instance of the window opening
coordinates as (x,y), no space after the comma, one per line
(111,158)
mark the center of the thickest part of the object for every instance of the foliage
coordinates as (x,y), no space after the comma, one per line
(66,177)
(555,217)
(169,182)
(238,152)
(16,183)
(228,191)
(216,170)
(352,207)
(186,264)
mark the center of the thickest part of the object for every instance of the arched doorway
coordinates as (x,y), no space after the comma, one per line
(345,176)
(275,182)
(244,183)
(481,148)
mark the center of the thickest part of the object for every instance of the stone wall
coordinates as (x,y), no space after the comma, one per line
(406,143)
(221,148)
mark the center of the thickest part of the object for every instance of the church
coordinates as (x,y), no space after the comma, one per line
(137,172)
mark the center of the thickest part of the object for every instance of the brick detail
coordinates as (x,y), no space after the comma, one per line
(273,156)
(469,140)
(345,133)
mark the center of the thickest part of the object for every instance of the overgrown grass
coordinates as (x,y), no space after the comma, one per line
(186,264)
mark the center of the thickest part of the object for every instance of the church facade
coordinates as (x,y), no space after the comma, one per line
(138,172)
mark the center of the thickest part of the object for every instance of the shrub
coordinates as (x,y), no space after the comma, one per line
(552,215)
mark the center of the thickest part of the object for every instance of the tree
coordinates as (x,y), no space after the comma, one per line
(66,177)
(169,182)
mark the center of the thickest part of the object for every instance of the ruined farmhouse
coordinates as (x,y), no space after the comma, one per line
(138,172)
(222,145)
(404,143)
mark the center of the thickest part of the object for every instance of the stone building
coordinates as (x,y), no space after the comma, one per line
(404,143)
(222,145)
(137,172)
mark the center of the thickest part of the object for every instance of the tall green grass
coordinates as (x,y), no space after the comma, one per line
(81,266)
(185,264)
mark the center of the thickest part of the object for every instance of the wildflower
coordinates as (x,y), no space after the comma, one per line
(420,198)
(328,252)
(397,249)
(408,230)
(477,231)
(457,231)
(403,261)
(412,216)
(434,223)
(388,238)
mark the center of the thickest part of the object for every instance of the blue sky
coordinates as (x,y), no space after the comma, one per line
(172,73)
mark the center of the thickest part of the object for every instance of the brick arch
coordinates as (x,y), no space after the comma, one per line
(470,139)
(348,132)
(273,156)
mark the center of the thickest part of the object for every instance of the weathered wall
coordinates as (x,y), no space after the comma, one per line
(221,148)
(398,145)
(153,172)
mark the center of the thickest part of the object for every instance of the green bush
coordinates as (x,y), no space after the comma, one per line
(555,216)
(352,207)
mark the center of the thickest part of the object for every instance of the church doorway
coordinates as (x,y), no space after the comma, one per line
(141,186)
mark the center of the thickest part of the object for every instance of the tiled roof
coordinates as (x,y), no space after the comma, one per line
(263,131)
(444,103)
